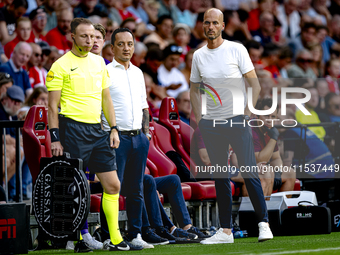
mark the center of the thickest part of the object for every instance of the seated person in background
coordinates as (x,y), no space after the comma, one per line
(321,86)
(332,72)
(38,97)
(36,72)
(23,30)
(168,74)
(302,67)
(186,71)
(314,151)
(14,67)
(184,106)
(154,94)
(314,117)
(332,104)
(9,106)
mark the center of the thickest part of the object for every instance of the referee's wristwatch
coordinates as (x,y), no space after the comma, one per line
(148,136)
(114,127)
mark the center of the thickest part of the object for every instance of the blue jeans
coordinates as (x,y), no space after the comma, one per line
(217,140)
(171,186)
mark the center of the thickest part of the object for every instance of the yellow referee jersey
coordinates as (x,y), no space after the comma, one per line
(81,81)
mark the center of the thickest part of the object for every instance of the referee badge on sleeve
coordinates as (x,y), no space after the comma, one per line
(50,76)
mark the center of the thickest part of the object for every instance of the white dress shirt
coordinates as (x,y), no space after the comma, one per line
(128,96)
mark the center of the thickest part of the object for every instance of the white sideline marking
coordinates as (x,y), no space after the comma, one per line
(299,251)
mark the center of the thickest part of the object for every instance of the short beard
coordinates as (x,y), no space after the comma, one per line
(8,110)
(213,37)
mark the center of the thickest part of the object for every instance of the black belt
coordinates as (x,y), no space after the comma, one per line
(130,132)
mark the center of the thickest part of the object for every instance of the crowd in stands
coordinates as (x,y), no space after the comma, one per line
(292,43)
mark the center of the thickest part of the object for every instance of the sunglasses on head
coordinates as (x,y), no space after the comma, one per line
(303,60)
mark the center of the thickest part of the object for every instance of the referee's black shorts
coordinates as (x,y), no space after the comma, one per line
(88,142)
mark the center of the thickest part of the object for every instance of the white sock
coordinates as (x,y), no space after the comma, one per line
(87,237)
(173,231)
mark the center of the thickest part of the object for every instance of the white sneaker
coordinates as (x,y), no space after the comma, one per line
(140,242)
(219,237)
(92,243)
(264,232)
(70,245)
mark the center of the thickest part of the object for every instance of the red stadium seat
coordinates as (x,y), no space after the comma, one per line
(36,138)
(95,203)
(169,118)
(186,189)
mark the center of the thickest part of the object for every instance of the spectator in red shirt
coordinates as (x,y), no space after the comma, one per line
(332,71)
(270,59)
(36,74)
(254,15)
(8,16)
(38,18)
(124,13)
(23,31)
(57,36)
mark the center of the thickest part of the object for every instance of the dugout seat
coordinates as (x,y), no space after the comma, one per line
(36,138)
(180,132)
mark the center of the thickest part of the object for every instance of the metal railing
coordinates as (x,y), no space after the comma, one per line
(17,125)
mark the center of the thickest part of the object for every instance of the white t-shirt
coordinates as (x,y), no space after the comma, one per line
(128,96)
(222,69)
(167,78)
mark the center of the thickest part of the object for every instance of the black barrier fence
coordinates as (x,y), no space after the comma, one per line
(16,125)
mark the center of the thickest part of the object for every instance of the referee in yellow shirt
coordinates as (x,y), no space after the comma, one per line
(80,82)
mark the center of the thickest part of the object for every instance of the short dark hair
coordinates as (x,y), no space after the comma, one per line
(120,30)
(154,53)
(100,28)
(127,20)
(252,44)
(20,3)
(286,52)
(318,28)
(264,102)
(308,25)
(77,21)
(162,18)
(227,15)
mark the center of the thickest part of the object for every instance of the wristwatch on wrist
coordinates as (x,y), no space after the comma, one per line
(149,136)
(114,127)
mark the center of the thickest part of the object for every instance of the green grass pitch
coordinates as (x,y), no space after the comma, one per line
(312,244)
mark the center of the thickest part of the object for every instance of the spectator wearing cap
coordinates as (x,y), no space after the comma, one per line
(57,36)
(36,72)
(6,82)
(197,37)
(8,17)
(23,31)
(168,74)
(10,104)
(266,31)
(46,51)
(89,8)
(181,34)
(163,32)
(14,67)
(302,67)
(38,18)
